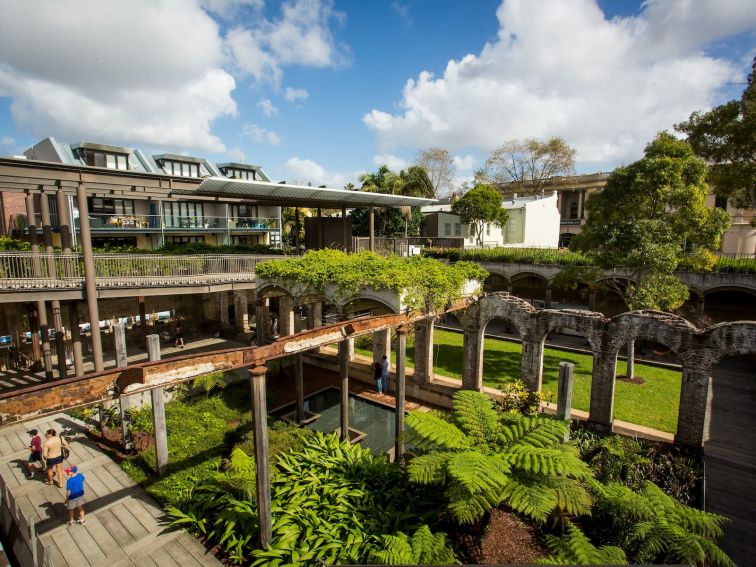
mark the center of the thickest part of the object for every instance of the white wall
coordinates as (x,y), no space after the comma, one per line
(542,222)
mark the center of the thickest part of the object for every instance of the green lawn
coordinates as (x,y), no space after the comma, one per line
(653,404)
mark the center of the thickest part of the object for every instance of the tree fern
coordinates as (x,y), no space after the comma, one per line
(423,548)
(476,416)
(431,432)
(574,548)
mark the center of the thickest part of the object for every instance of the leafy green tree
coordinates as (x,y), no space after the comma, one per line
(525,167)
(479,206)
(726,138)
(483,458)
(645,221)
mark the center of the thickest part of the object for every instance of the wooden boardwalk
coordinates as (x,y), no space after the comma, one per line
(123,523)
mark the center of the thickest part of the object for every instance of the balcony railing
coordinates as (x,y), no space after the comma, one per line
(569,221)
(23,271)
(140,223)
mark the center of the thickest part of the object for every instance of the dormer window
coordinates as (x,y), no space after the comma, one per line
(233,173)
(98,158)
(181,168)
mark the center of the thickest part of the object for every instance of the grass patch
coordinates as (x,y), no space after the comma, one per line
(652,404)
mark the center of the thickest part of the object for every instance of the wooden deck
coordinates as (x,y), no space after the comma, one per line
(123,523)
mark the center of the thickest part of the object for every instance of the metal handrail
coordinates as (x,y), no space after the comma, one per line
(24,270)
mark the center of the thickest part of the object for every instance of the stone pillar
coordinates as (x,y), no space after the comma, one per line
(90,282)
(57,315)
(601,412)
(142,321)
(310,315)
(73,323)
(317,314)
(371,229)
(694,404)
(285,316)
(401,356)
(630,359)
(382,344)
(344,385)
(424,350)
(472,360)
(592,300)
(158,411)
(261,321)
(299,386)
(700,305)
(564,393)
(241,309)
(119,339)
(31,216)
(547,297)
(350,348)
(262,466)
(532,363)
(297,318)
(221,309)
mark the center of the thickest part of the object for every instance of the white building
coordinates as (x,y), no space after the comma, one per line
(533,222)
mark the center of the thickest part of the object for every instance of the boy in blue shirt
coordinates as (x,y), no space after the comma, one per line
(75,494)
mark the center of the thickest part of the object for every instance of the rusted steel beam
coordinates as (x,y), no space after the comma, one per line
(48,398)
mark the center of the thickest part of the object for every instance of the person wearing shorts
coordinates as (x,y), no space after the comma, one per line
(75,495)
(53,451)
(35,454)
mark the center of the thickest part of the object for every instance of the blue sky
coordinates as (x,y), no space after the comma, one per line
(319,91)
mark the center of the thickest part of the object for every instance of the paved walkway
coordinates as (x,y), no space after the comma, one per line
(123,522)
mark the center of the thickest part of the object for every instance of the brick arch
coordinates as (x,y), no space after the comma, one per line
(588,323)
(519,312)
(672,331)
(500,280)
(275,289)
(728,339)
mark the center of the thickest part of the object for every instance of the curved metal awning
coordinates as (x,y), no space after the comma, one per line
(299,195)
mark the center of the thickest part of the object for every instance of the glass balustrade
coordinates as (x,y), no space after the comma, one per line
(107,222)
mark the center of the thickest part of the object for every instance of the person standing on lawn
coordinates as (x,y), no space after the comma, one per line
(35,455)
(75,495)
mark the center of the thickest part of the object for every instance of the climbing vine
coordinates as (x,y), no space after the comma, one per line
(425,283)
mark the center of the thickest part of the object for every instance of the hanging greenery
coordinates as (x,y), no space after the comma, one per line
(424,283)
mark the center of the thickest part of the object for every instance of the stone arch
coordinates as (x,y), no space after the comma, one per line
(729,339)
(495,282)
(673,331)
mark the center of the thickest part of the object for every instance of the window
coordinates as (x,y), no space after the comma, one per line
(181,168)
(103,206)
(113,242)
(243,211)
(183,214)
(240,173)
(183,239)
(573,210)
(103,159)
(720,202)
(247,239)
(564,239)
(457,229)
(447,229)
(488,229)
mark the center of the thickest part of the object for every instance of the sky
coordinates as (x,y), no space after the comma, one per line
(321,91)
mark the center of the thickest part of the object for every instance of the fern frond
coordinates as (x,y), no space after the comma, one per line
(430,468)
(529,496)
(572,496)
(431,432)
(474,413)
(537,431)
(477,472)
(466,508)
(546,461)
(574,548)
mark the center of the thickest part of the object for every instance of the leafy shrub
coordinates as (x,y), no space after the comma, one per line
(518,398)
(210,382)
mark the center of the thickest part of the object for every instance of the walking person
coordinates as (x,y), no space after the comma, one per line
(378,377)
(35,453)
(385,373)
(179,338)
(53,452)
(75,495)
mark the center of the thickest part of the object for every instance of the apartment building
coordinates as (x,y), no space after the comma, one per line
(573,192)
(150,221)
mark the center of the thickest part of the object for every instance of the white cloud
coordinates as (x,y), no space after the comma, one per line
(267,107)
(308,171)
(562,69)
(159,73)
(293,95)
(7,141)
(465,163)
(394,163)
(403,11)
(261,135)
(236,154)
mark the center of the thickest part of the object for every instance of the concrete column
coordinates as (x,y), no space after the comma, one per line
(382,344)
(64,221)
(344,385)
(532,364)
(90,283)
(31,216)
(424,350)
(630,359)
(371,229)
(241,308)
(350,348)
(261,321)
(601,412)
(262,467)
(73,323)
(317,314)
(34,330)
(119,339)
(344,231)
(299,386)
(142,320)
(564,392)
(310,315)
(285,316)
(547,298)
(472,360)
(57,316)
(694,405)
(401,356)
(221,309)
(158,411)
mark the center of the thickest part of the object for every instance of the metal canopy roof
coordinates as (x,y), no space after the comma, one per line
(292,195)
